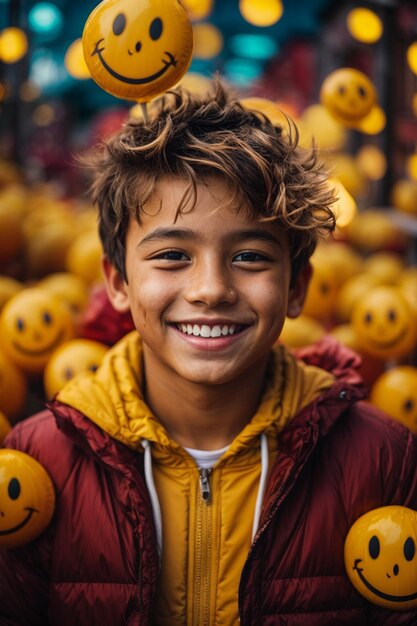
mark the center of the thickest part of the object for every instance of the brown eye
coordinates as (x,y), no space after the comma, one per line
(392,315)
(119,24)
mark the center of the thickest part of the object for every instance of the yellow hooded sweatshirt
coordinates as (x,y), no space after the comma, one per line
(205,539)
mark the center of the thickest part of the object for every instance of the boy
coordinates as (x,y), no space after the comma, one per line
(203,477)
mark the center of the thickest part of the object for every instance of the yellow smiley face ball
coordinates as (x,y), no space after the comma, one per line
(348,95)
(32,325)
(384,323)
(27,498)
(380,557)
(138,49)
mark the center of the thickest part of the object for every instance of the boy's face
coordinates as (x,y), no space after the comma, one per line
(208,292)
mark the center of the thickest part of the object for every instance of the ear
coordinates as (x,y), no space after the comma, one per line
(116,287)
(298,291)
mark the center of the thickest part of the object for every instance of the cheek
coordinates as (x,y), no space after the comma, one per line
(150,298)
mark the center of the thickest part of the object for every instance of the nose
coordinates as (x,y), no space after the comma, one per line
(138,46)
(395,569)
(37,335)
(210,284)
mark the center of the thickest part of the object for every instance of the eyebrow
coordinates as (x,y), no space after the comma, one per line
(184,234)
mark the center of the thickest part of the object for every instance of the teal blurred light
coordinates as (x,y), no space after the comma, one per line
(242,72)
(253,46)
(45,19)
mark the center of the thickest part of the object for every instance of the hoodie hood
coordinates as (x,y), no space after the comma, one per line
(112,396)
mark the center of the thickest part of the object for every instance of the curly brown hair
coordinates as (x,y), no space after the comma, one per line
(193,137)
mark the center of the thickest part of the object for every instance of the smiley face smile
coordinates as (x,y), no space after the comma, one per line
(45,350)
(10,531)
(377,592)
(134,81)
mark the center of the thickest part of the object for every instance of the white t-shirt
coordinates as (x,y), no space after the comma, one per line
(206,458)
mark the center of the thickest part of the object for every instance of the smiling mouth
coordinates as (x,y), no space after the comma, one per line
(210,331)
(29,352)
(10,531)
(134,81)
(392,342)
(377,592)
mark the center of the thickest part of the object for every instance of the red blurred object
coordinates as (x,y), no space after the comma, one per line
(108,123)
(101,322)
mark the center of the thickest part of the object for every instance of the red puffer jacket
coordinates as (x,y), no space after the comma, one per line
(97,562)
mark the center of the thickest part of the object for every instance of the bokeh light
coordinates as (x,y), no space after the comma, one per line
(242,72)
(13,45)
(254,46)
(208,41)
(45,18)
(43,115)
(261,12)
(412,57)
(372,161)
(364,25)
(374,122)
(28,91)
(411,166)
(345,207)
(198,9)
(75,62)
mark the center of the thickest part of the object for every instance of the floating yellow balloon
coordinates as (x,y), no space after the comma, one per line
(198,9)
(412,166)
(412,57)
(267,108)
(75,62)
(395,393)
(364,25)
(374,122)
(196,83)
(208,41)
(319,125)
(372,162)
(404,196)
(261,12)
(345,207)
(138,50)
(380,557)
(348,95)
(13,45)
(27,498)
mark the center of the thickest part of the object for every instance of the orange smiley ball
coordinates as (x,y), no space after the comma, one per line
(384,323)
(27,498)
(32,325)
(395,392)
(71,358)
(380,557)
(138,49)
(348,95)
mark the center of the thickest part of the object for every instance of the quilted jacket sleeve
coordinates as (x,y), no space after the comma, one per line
(406,496)
(23,581)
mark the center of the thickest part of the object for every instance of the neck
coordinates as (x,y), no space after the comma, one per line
(205,417)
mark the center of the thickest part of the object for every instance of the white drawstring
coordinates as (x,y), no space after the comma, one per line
(156,508)
(262,483)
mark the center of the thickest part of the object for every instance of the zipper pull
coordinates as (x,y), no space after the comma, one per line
(204,483)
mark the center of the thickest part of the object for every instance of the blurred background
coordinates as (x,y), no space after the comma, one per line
(277,53)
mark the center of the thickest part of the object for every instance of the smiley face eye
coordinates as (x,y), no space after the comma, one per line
(68,373)
(409,549)
(20,324)
(155,29)
(408,405)
(342,90)
(368,318)
(362,92)
(14,489)
(119,24)
(392,315)
(374,547)
(324,289)
(93,367)
(46,317)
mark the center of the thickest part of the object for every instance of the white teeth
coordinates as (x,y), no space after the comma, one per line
(206,331)
(216,331)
